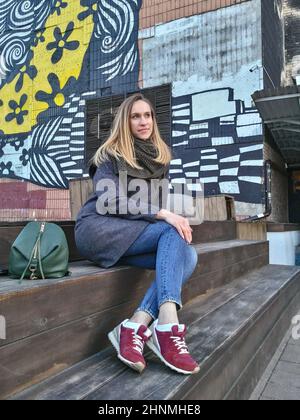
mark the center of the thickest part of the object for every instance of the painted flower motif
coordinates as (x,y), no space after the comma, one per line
(31,71)
(60,4)
(5,168)
(38,37)
(18,144)
(2,145)
(57,97)
(92,8)
(61,43)
(18,111)
(25,158)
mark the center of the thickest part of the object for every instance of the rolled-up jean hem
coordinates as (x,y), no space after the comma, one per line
(173,300)
(140,309)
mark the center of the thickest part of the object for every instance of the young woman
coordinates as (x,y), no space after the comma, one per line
(153,239)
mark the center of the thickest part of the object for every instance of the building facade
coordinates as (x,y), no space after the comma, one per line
(65,66)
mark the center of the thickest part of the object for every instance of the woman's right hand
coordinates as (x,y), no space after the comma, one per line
(179,222)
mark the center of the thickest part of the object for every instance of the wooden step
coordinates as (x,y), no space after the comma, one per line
(206,232)
(233,332)
(64,321)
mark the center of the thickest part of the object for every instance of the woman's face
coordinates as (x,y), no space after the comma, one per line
(141,122)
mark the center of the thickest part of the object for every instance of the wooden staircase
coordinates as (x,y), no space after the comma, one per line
(237,308)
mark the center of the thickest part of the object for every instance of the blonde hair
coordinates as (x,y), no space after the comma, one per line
(120,143)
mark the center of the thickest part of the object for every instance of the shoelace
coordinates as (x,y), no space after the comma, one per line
(180,344)
(139,342)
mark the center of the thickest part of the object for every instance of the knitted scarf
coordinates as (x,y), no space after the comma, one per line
(145,153)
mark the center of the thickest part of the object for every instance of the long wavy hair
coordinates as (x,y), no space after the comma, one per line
(120,143)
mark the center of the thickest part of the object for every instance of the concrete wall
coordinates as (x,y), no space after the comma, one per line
(273,43)
(283,247)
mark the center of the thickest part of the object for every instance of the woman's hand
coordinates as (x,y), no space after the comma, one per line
(179,222)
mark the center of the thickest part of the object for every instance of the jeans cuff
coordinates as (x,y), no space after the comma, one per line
(140,309)
(173,300)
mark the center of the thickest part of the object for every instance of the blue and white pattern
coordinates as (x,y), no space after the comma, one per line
(19,23)
(220,145)
(53,152)
(235,170)
(116,28)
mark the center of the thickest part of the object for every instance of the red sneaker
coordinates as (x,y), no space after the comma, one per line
(130,344)
(171,348)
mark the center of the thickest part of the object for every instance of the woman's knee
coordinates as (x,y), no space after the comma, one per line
(191,256)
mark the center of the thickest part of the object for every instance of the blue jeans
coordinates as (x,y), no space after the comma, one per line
(161,247)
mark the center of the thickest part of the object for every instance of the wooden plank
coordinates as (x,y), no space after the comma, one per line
(219,255)
(40,323)
(250,376)
(210,231)
(236,328)
(80,190)
(102,289)
(73,299)
(219,208)
(33,359)
(205,232)
(75,197)
(222,319)
(78,381)
(256,231)
(207,282)
(86,189)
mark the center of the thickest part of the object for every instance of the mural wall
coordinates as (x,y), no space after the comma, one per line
(57,54)
(214,62)
(224,140)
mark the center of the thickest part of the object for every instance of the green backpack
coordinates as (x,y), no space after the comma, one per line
(40,251)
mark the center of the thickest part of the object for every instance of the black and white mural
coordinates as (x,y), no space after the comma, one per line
(212,134)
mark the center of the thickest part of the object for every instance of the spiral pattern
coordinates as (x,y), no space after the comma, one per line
(116,27)
(14,52)
(22,15)
(18,20)
(4,8)
(116,19)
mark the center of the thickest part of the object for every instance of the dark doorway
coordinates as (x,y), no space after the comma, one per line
(294,196)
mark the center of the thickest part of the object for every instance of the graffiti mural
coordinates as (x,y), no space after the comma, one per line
(213,62)
(220,129)
(54,55)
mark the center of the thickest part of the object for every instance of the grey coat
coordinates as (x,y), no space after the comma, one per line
(103,239)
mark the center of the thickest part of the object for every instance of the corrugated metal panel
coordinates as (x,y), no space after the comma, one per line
(280,110)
